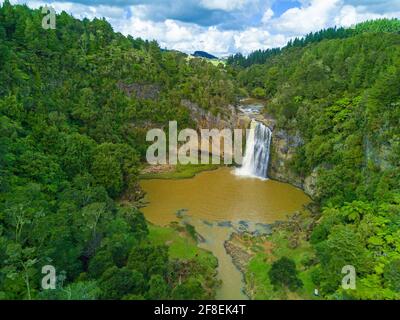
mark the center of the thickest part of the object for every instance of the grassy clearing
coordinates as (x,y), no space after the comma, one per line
(180,172)
(257,279)
(183,248)
(218,62)
(214,62)
(181,245)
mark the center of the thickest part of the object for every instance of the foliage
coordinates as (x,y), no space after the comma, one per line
(262,56)
(75,105)
(283,273)
(338,90)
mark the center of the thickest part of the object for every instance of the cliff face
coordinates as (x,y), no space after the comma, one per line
(206,120)
(141,91)
(283,145)
(283,148)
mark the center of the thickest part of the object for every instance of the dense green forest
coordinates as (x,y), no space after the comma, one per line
(261,56)
(342,96)
(75,105)
(77,101)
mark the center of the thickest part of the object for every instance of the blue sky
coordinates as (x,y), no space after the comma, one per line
(223,27)
(280,7)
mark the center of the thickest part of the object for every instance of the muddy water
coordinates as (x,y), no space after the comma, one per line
(214,198)
(232,279)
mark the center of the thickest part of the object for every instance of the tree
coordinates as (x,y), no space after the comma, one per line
(259,93)
(149,260)
(81,290)
(77,155)
(343,247)
(116,283)
(190,289)
(101,262)
(107,171)
(392,275)
(115,167)
(283,273)
(75,106)
(158,288)
(136,221)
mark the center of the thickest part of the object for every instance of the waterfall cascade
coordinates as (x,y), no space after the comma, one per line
(256,158)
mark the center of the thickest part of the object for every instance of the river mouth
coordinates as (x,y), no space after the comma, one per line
(218,203)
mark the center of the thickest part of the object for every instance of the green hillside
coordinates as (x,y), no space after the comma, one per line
(76,103)
(75,106)
(342,96)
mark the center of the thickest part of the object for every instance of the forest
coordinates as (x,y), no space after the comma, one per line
(76,103)
(75,106)
(342,96)
(261,56)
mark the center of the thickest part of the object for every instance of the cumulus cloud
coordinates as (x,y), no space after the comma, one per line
(267,16)
(226,5)
(223,27)
(313,16)
(189,37)
(350,15)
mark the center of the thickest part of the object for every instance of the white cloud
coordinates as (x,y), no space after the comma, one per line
(179,36)
(350,15)
(226,5)
(253,39)
(267,16)
(314,16)
(79,11)
(257,28)
(190,37)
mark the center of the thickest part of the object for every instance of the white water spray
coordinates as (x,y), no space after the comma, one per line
(256,158)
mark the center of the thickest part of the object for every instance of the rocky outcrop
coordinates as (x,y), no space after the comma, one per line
(226,119)
(310,184)
(378,154)
(141,91)
(283,149)
(283,145)
(240,256)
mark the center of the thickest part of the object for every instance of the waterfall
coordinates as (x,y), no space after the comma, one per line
(256,158)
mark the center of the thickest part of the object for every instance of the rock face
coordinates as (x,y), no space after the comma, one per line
(283,145)
(283,148)
(310,184)
(378,154)
(141,91)
(229,119)
(240,256)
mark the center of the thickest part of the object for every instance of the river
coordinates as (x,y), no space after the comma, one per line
(218,203)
